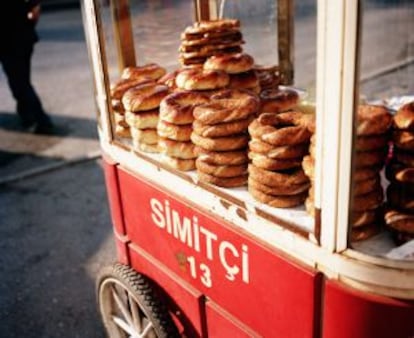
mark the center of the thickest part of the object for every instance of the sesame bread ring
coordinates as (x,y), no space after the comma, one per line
(122,131)
(174,131)
(209,49)
(404,118)
(230,63)
(169,79)
(142,120)
(244,80)
(308,165)
(278,179)
(146,148)
(362,174)
(206,26)
(117,106)
(220,143)
(148,136)
(177,108)
(144,97)
(399,172)
(242,95)
(282,152)
(226,37)
(368,143)
(182,150)
(224,110)
(403,139)
(370,158)
(361,218)
(225,182)
(151,71)
(215,50)
(281,201)
(264,162)
(221,170)
(366,186)
(364,232)
(310,206)
(221,129)
(201,79)
(120,119)
(179,163)
(278,191)
(369,201)
(120,87)
(274,100)
(400,221)
(373,120)
(280,129)
(400,196)
(222,157)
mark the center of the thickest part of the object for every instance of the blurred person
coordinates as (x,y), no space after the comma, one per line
(18,19)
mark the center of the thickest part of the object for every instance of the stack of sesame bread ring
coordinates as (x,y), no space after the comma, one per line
(373,124)
(141,105)
(276,150)
(268,76)
(275,100)
(239,67)
(175,127)
(206,38)
(117,91)
(193,87)
(399,216)
(308,165)
(130,77)
(220,135)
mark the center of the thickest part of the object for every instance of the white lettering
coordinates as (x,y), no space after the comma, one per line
(196,232)
(245,263)
(209,242)
(168,216)
(157,213)
(182,231)
(232,271)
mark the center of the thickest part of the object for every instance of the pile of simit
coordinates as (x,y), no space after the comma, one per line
(399,215)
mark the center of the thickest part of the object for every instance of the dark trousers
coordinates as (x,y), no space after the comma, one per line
(16,63)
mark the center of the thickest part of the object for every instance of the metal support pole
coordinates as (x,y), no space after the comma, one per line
(285,15)
(121,19)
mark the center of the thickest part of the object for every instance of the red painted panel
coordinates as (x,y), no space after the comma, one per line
(112,187)
(253,283)
(221,324)
(186,304)
(351,313)
(121,243)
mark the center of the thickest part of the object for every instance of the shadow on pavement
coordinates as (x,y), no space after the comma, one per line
(65,125)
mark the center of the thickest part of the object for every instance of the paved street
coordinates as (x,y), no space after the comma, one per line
(55,230)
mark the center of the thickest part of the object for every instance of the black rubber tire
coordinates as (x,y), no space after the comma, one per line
(142,292)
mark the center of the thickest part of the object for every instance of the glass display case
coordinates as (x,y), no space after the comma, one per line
(285,179)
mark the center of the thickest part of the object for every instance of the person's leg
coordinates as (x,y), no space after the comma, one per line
(16,64)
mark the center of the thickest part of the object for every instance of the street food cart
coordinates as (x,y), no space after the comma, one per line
(201,258)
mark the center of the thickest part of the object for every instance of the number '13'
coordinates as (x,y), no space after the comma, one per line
(205,273)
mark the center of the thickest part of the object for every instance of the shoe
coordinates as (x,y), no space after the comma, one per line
(44,128)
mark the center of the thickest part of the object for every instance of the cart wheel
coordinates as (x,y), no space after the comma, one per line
(129,307)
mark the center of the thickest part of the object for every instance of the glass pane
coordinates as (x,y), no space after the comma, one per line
(164,33)
(383,189)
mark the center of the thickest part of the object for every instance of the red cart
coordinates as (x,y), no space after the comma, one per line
(196,260)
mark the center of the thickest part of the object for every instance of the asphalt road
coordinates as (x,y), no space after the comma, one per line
(55,231)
